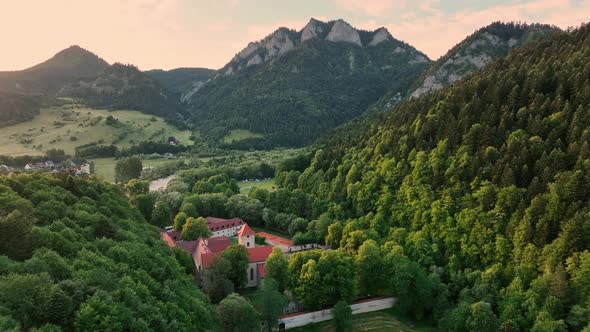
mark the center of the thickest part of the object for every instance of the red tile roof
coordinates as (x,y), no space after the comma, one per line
(171,237)
(207,258)
(168,239)
(188,246)
(261,272)
(246,230)
(259,254)
(216,224)
(217,244)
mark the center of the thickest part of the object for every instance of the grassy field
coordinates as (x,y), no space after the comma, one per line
(71,125)
(105,167)
(240,134)
(245,187)
(378,321)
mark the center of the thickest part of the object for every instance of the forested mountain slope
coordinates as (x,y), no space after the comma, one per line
(67,66)
(477,50)
(476,197)
(293,85)
(75,256)
(184,82)
(125,87)
(15,108)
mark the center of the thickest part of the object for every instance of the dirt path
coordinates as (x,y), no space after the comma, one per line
(161,184)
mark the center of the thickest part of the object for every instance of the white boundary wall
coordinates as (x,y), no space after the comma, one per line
(296,320)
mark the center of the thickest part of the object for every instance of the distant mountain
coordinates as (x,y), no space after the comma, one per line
(125,87)
(476,51)
(70,65)
(293,85)
(182,81)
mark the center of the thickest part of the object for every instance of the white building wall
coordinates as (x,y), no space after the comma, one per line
(228,232)
(252,274)
(326,314)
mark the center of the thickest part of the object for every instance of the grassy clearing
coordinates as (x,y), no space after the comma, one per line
(68,126)
(105,167)
(245,187)
(378,321)
(240,134)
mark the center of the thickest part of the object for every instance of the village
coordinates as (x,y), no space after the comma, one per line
(67,166)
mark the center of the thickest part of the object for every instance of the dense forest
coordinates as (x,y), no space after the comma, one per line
(476,196)
(15,108)
(75,256)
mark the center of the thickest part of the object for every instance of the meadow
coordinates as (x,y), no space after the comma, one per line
(239,134)
(245,187)
(67,126)
(105,167)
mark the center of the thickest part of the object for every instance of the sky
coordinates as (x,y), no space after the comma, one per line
(208,33)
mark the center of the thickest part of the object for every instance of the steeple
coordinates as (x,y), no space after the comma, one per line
(246,237)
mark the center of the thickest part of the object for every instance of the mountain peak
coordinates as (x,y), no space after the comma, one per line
(343,32)
(379,36)
(73,57)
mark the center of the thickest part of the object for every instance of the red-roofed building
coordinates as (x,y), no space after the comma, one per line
(247,237)
(204,251)
(224,227)
(256,259)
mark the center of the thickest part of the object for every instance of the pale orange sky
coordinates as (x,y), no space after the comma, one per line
(197,33)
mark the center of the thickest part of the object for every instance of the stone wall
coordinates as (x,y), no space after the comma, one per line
(304,318)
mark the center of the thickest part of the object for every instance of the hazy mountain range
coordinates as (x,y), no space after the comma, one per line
(290,87)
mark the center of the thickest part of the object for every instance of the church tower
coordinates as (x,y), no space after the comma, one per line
(246,236)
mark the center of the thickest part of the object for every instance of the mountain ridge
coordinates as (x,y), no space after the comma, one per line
(284,40)
(66,66)
(291,91)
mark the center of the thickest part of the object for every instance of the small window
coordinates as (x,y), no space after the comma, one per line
(251,273)
(247,244)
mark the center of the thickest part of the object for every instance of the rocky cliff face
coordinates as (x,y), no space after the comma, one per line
(344,32)
(284,40)
(475,52)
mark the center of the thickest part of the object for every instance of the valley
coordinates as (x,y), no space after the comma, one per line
(325,178)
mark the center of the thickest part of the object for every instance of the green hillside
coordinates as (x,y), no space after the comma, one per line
(70,125)
(471,202)
(67,66)
(125,87)
(76,256)
(291,87)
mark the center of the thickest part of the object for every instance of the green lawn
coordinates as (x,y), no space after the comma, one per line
(240,134)
(105,167)
(245,187)
(71,125)
(378,321)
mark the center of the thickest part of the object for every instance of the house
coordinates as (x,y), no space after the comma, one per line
(224,227)
(204,250)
